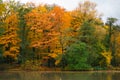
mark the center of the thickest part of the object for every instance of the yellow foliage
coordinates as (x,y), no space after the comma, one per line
(2,8)
(10,39)
(108,57)
(106,27)
(42,9)
(8,53)
(57,62)
(38,21)
(117,39)
(100,32)
(53,55)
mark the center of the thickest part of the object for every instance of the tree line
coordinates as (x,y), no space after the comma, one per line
(76,40)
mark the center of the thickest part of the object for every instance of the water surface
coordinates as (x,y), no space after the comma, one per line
(35,75)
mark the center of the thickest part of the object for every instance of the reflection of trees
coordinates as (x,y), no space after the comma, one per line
(10,76)
(109,76)
(115,76)
(59,75)
(100,76)
(39,76)
(50,76)
(75,76)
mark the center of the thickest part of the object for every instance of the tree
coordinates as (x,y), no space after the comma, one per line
(110,23)
(76,57)
(10,39)
(106,59)
(111,33)
(61,20)
(85,12)
(38,22)
(117,46)
(84,28)
(2,9)
(22,11)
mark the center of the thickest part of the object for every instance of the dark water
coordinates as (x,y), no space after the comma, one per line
(60,75)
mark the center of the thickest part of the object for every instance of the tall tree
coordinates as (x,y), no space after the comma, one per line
(10,39)
(23,9)
(110,23)
(38,26)
(61,20)
(84,28)
(111,45)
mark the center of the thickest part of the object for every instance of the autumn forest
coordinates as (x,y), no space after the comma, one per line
(35,37)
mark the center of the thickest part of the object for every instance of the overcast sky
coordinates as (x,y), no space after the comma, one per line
(109,8)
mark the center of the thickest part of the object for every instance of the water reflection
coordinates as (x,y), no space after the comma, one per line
(59,76)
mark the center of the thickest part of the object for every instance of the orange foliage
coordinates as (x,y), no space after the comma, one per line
(48,28)
(10,38)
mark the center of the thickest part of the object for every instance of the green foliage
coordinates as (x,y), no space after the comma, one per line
(23,33)
(95,47)
(86,33)
(77,57)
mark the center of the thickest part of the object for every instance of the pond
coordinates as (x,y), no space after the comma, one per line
(36,75)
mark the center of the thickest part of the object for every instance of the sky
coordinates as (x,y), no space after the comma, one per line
(109,8)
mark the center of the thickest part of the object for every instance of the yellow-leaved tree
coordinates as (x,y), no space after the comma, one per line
(39,27)
(10,39)
(107,59)
(61,20)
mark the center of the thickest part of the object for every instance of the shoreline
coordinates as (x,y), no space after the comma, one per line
(105,71)
(21,70)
